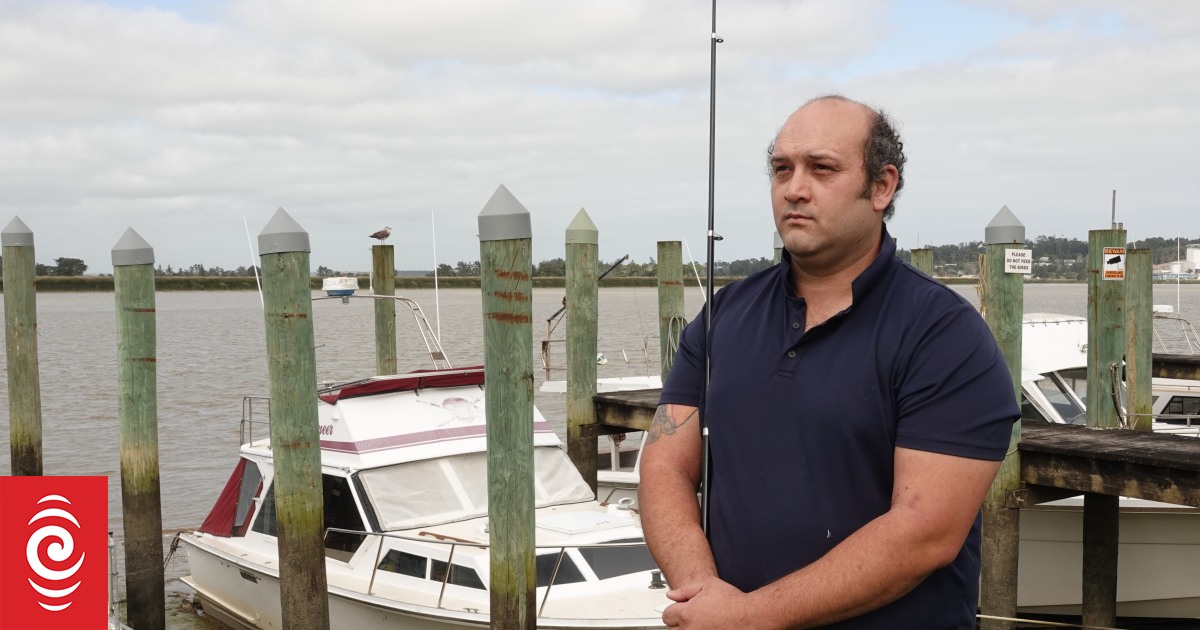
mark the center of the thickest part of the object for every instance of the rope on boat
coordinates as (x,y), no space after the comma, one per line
(171,551)
(1048,624)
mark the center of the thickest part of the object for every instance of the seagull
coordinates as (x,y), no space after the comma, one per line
(382,234)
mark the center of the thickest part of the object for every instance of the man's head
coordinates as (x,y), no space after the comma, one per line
(882,146)
(835,168)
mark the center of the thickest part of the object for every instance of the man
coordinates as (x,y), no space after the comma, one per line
(857,414)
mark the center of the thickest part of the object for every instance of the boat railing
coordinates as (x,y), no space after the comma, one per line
(454,543)
(249,420)
(432,344)
(1185,337)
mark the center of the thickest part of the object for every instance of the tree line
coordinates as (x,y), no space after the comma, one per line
(1054,256)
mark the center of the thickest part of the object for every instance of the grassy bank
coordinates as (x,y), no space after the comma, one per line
(66,284)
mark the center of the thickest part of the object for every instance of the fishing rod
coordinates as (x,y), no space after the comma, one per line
(708,284)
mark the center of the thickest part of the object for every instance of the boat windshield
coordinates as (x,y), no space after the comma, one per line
(1065,404)
(446,489)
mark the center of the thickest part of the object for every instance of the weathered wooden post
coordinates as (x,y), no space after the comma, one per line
(20,340)
(1139,332)
(670,302)
(383,279)
(295,443)
(583,246)
(922,259)
(777,243)
(1003,300)
(137,403)
(506,270)
(1106,344)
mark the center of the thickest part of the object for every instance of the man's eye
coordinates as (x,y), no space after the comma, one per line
(780,168)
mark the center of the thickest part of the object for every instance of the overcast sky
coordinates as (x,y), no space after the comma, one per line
(189,120)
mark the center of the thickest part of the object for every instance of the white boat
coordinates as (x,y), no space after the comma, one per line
(404,466)
(1159,550)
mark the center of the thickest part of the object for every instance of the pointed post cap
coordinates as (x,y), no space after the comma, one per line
(17,234)
(1004,228)
(582,230)
(132,249)
(281,235)
(503,218)
(776,240)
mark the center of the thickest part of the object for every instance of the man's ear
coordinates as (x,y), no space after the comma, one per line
(884,190)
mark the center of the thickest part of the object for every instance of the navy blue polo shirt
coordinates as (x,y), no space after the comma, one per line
(803,425)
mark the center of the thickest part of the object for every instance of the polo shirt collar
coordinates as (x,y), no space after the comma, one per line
(865,282)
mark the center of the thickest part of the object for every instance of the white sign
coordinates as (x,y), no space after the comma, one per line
(1114,263)
(1018,261)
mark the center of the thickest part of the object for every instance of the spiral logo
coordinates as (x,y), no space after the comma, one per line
(54,543)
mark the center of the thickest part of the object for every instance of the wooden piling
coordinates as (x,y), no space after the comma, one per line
(777,246)
(295,443)
(922,259)
(582,243)
(20,340)
(670,302)
(1107,265)
(137,404)
(1139,332)
(506,270)
(1003,302)
(383,281)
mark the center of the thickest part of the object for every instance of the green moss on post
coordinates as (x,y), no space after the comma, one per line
(20,339)
(506,269)
(295,443)
(582,255)
(1139,329)
(1003,302)
(137,402)
(670,302)
(383,279)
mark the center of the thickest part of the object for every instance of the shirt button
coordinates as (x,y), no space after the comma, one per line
(796,325)
(791,354)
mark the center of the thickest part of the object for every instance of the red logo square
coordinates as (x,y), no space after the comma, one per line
(53,553)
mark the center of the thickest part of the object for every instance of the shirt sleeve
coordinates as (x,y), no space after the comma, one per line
(955,395)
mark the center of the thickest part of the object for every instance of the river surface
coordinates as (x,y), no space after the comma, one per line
(212,352)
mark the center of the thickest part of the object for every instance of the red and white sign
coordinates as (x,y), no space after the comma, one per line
(53,553)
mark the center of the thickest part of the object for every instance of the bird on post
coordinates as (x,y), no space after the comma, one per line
(382,234)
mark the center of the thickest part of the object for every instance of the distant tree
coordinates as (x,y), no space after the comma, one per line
(464,268)
(445,270)
(68,267)
(553,268)
(324,272)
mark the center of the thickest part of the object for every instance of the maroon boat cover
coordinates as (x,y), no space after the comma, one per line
(417,379)
(220,519)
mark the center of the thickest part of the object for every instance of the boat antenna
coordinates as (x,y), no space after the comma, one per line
(708,283)
(254,263)
(437,306)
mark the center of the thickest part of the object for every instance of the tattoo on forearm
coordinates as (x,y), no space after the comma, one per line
(664,424)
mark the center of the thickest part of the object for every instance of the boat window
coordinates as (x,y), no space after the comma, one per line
(341,512)
(446,489)
(1071,413)
(1182,406)
(265,523)
(1030,412)
(607,562)
(251,485)
(567,573)
(1076,379)
(404,563)
(459,575)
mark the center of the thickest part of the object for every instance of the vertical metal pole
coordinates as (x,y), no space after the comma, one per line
(582,296)
(295,444)
(670,302)
(506,270)
(137,402)
(20,339)
(383,279)
(710,262)
(1139,325)
(1106,344)
(1003,305)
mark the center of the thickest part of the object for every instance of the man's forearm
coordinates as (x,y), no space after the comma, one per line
(671,523)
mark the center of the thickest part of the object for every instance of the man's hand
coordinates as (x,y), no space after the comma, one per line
(709,603)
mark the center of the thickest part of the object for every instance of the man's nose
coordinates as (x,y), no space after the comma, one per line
(798,187)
